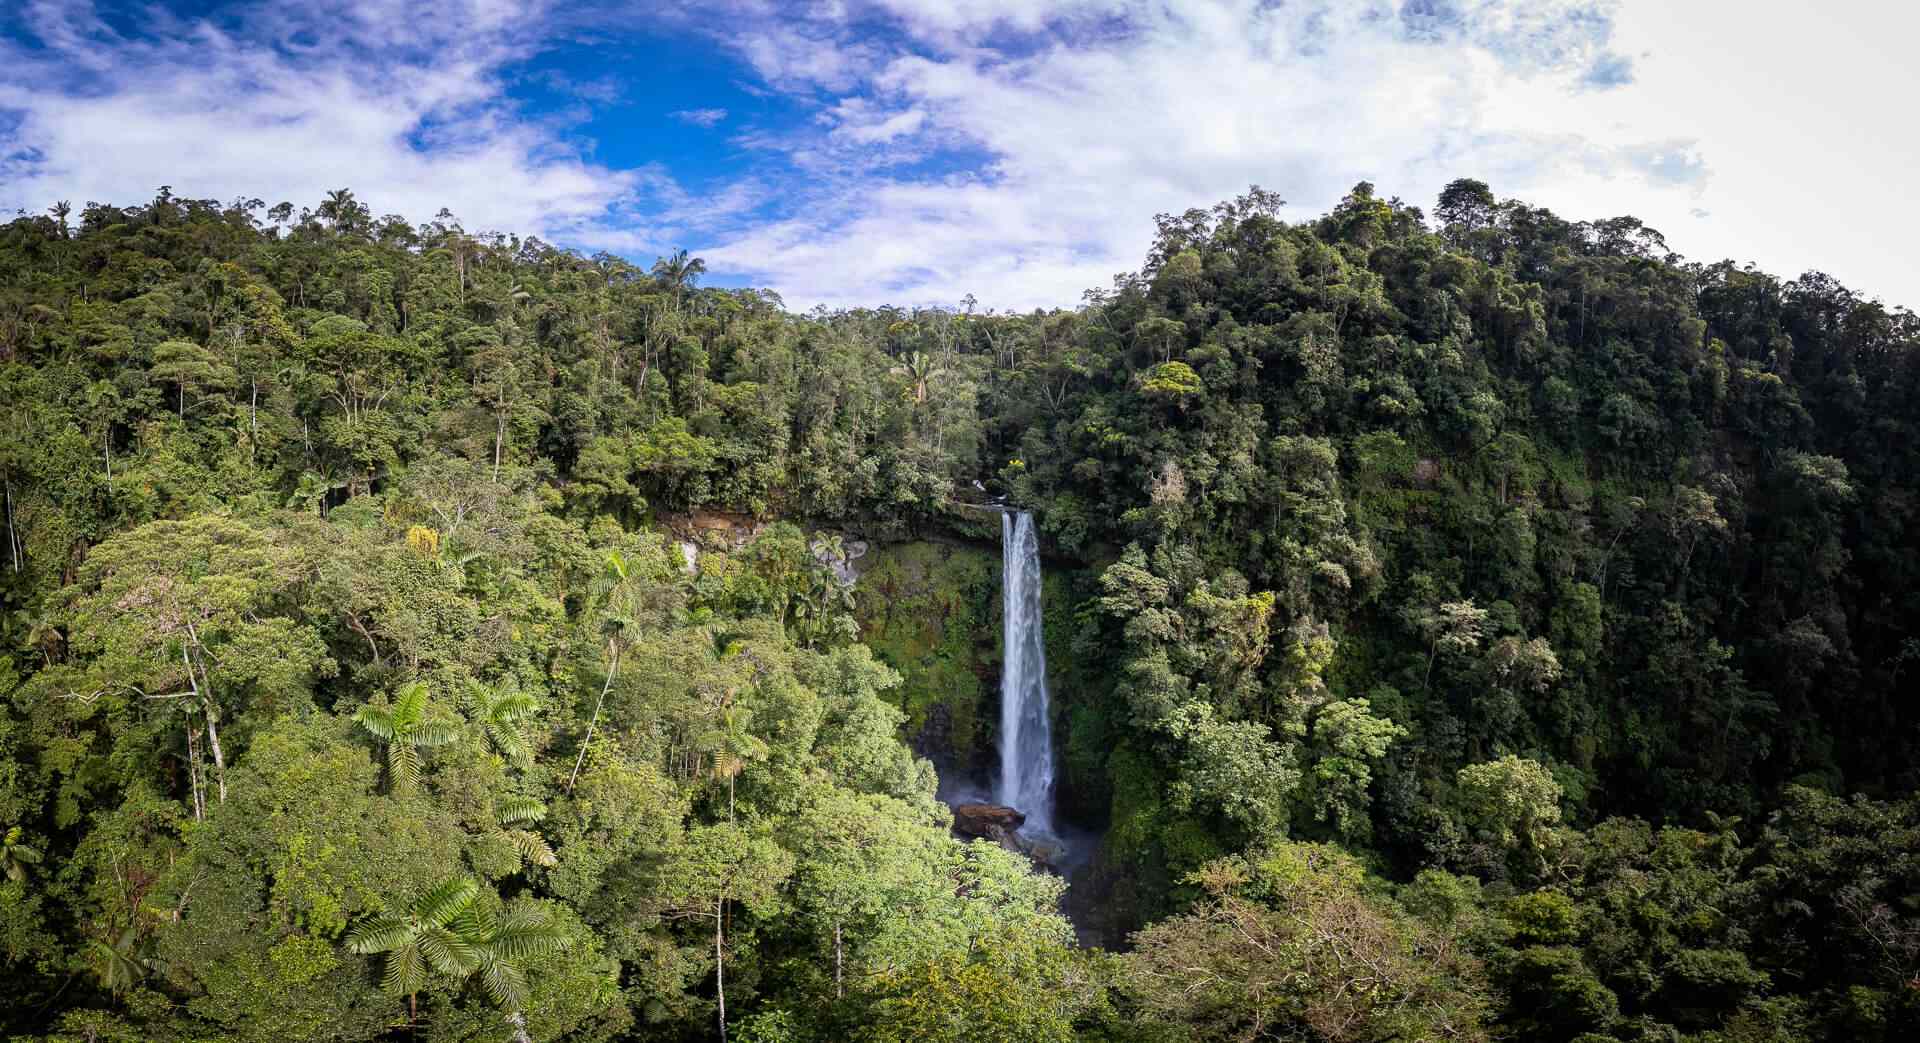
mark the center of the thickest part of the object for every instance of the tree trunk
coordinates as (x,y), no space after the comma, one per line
(720,966)
(613,669)
(839,963)
(13,541)
(205,693)
(194,785)
(499,435)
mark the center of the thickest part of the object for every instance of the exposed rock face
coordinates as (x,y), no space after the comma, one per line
(991,821)
(720,529)
(839,555)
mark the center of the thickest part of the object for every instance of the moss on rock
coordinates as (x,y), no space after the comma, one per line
(932,612)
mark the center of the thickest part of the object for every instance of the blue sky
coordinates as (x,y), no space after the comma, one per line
(848,152)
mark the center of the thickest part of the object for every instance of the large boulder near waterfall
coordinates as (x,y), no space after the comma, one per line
(989,821)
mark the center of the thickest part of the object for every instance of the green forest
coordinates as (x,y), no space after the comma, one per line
(1466,624)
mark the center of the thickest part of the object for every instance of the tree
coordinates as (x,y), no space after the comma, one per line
(448,931)
(919,368)
(1286,942)
(719,865)
(154,610)
(407,728)
(1513,800)
(501,711)
(730,745)
(17,856)
(1466,203)
(679,273)
(188,365)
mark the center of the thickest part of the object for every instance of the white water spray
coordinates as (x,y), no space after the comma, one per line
(1026,734)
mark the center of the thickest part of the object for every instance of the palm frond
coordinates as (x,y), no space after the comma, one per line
(512,744)
(512,706)
(410,702)
(520,809)
(381,934)
(533,847)
(405,971)
(446,900)
(403,766)
(449,952)
(435,734)
(504,983)
(376,720)
(525,932)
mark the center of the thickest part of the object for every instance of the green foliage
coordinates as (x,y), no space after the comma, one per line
(1287,943)
(1445,543)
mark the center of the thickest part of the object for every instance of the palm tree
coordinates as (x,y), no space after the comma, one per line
(525,811)
(421,939)
(16,855)
(445,931)
(919,368)
(679,273)
(499,713)
(404,727)
(616,624)
(732,746)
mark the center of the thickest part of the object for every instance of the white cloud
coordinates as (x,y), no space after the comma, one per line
(700,117)
(1014,149)
(1096,120)
(1094,115)
(408,111)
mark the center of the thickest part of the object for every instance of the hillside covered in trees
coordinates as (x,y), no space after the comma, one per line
(1463,626)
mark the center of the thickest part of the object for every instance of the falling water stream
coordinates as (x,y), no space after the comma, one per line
(1026,735)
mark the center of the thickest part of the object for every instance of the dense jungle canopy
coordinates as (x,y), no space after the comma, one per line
(1464,625)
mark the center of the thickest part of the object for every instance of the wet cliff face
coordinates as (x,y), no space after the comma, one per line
(932,611)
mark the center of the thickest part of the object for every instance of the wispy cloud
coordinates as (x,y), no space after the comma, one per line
(293,101)
(700,117)
(918,150)
(1093,116)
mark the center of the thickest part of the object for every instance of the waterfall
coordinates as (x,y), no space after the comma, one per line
(1026,734)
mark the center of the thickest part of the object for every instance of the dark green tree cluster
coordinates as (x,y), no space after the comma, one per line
(1517,485)
(1463,627)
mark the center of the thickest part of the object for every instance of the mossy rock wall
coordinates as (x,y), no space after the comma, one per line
(932,611)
